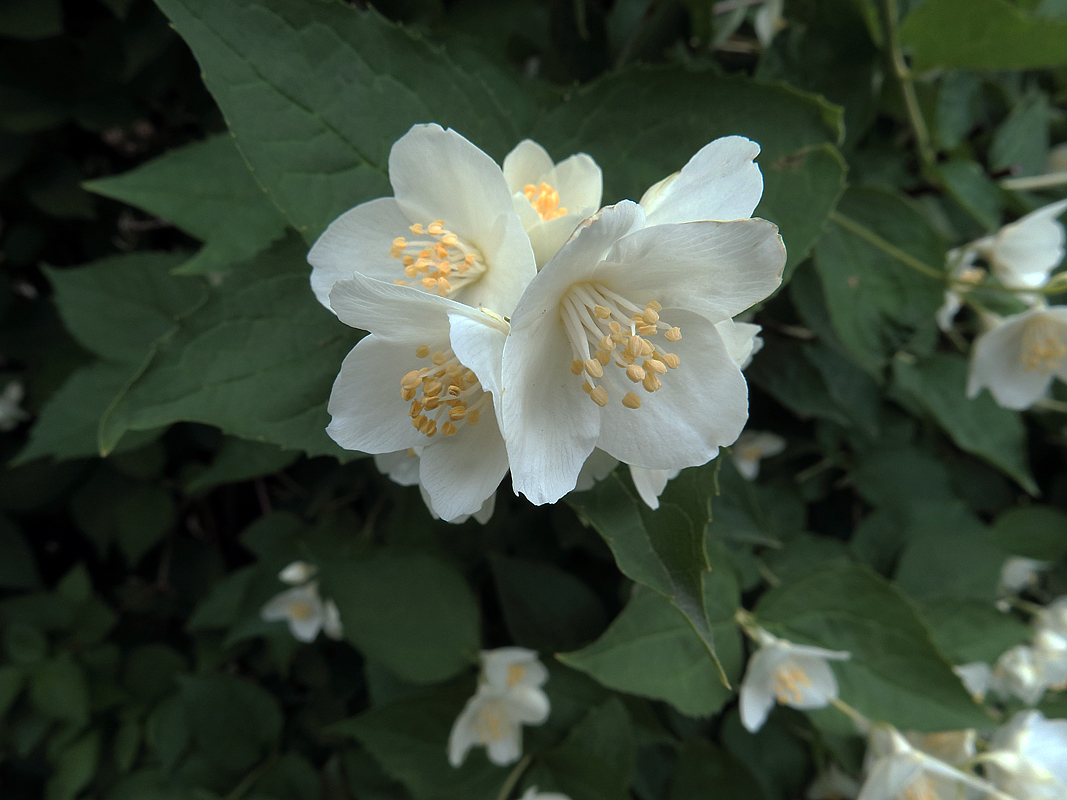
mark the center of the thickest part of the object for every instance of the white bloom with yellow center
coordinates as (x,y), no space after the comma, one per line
(752,447)
(305,612)
(1017,359)
(1028,757)
(1023,253)
(898,771)
(450,229)
(614,345)
(509,695)
(403,468)
(424,379)
(551,198)
(791,674)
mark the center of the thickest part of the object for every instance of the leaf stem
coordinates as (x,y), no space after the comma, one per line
(513,777)
(927,153)
(1048,181)
(891,250)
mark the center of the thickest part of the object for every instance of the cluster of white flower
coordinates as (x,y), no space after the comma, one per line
(302,607)
(1016,357)
(514,326)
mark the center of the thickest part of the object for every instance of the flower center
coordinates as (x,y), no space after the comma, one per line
(920,789)
(446,393)
(515,673)
(545,201)
(301,611)
(605,328)
(789,683)
(492,722)
(439,260)
(1043,349)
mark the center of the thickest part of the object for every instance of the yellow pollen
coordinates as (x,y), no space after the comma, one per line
(301,611)
(789,683)
(631,400)
(635,373)
(577,367)
(473,417)
(599,395)
(441,263)
(603,356)
(515,673)
(671,360)
(651,382)
(422,351)
(450,393)
(448,429)
(545,201)
(673,335)
(655,366)
(593,367)
(491,724)
(602,312)
(920,789)
(1043,350)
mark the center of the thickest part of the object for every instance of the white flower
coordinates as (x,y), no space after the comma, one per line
(721,182)
(422,379)
(403,468)
(898,771)
(833,784)
(450,229)
(952,747)
(551,199)
(977,678)
(509,695)
(305,612)
(1018,358)
(1018,573)
(625,307)
(1019,673)
(768,21)
(533,794)
(10,413)
(791,674)
(1024,253)
(963,274)
(1028,757)
(753,446)
(1053,617)
(297,573)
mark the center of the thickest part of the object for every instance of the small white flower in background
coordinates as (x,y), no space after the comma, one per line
(1053,617)
(403,468)
(1028,757)
(450,229)
(1019,573)
(625,308)
(303,609)
(977,678)
(962,271)
(551,199)
(791,674)
(1023,253)
(533,794)
(1018,358)
(952,747)
(768,21)
(753,446)
(10,413)
(297,573)
(833,784)
(509,695)
(425,378)
(1020,673)
(898,771)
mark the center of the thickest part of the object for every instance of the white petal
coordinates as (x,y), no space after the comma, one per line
(511,266)
(402,466)
(297,573)
(358,241)
(463,735)
(650,483)
(526,164)
(996,363)
(305,630)
(720,182)
(580,184)
(716,269)
(822,687)
(331,620)
(485,513)
(741,340)
(505,667)
(757,695)
(478,342)
(597,467)
(548,236)
(702,405)
(461,472)
(507,748)
(549,424)
(976,677)
(888,778)
(949,309)
(1025,252)
(528,705)
(365,403)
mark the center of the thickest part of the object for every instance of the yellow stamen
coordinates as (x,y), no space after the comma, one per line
(599,396)
(789,683)
(515,673)
(545,201)
(631,400)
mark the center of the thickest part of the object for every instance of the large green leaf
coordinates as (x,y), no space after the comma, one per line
(937,385)
(257,360)
(643,124)
(317,92)
(205,189)
(877,304)
(982,34)
(896,674)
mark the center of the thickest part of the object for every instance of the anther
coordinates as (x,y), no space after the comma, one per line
(472,417)
(651,382)
(593,367)
(416,229)
(602,312)
(671,360)
(577,367)
(448,429)
(438,357)
(599,396)
(631,400)
(411,380)
(673,335)
(458,412)
(651,317)
(656,366)
(422,351)
(635,373)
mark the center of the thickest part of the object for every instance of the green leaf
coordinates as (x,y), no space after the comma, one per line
(118,306)
(127,744)
(209,371)
(75,768)
(205,189)
(239,460)
(31,19)
(663,549)
(937,384)
(58,689)
(1033,531)
(651,650)
(544,607)
(896,673)
(413,613)
(1021,142)
(877,304)
(111,509)
(409,739)
(12,680)
(982,34)
(233,722)
(339,86)
(969,186)
(17,567)
(705,770)
(968,630)
(668,114)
